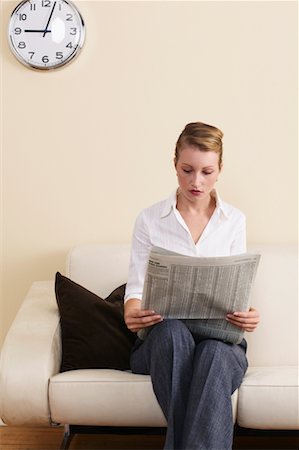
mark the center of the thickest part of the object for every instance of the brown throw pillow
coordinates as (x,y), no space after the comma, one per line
(94,334)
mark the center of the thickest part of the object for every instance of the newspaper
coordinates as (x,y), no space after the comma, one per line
(199,291)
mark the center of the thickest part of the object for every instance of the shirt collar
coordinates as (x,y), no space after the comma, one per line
(170,204)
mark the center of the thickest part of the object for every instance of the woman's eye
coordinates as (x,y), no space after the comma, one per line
(207,173)
(186,171)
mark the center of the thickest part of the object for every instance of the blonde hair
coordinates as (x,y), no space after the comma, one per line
(205,137)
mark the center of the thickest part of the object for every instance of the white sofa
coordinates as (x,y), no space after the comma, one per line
(34,393)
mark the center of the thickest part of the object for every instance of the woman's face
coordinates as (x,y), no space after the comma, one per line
(197,172)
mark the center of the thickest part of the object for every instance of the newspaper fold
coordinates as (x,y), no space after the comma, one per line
(200,291)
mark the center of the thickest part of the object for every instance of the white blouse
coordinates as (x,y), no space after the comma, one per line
(162,225)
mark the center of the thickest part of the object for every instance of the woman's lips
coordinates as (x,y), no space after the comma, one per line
(195,192)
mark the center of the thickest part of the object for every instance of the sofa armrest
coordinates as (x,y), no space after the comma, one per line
(30,355)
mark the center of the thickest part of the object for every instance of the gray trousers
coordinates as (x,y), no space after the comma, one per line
(193,381)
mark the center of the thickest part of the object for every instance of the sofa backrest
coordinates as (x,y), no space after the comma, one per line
(99,267)
(275,295)
(102,268)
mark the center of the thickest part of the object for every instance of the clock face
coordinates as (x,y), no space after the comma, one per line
(46,34)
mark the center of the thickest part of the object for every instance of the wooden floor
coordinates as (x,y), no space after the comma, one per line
(13,438)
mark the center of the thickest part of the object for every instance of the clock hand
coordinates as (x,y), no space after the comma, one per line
(37,31)
(46,29)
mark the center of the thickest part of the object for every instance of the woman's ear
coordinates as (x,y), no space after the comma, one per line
(174,161)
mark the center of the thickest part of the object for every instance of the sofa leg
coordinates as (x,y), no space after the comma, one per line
(67,438)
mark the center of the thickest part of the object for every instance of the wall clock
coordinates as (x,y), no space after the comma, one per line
(46,34)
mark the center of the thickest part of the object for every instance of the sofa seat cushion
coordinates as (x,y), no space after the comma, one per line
(268,398)
(106,397)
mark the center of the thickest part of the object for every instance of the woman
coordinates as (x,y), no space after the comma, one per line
(192,378)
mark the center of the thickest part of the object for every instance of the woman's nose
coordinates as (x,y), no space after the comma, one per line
(197,180)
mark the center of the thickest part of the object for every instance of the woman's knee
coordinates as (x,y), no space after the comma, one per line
(222,354)
(172,334)
(170,328)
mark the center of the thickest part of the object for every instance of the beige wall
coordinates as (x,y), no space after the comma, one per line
(86,147)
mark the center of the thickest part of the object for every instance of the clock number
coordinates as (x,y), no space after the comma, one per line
(69,17)
(22,16)
(46,3)
(45,59)
(31,53)
(74,31)
(59,55)
(18,31)
(21,45)
(32,6)
(69,45)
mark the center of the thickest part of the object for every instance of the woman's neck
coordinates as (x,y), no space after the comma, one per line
(201,206)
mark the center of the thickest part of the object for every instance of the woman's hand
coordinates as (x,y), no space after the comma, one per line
(247,321)
(137,318)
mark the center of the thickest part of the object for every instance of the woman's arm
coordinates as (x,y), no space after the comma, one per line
(238,245)
(140,249)
(134,316)
(247,321)
(137,318)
